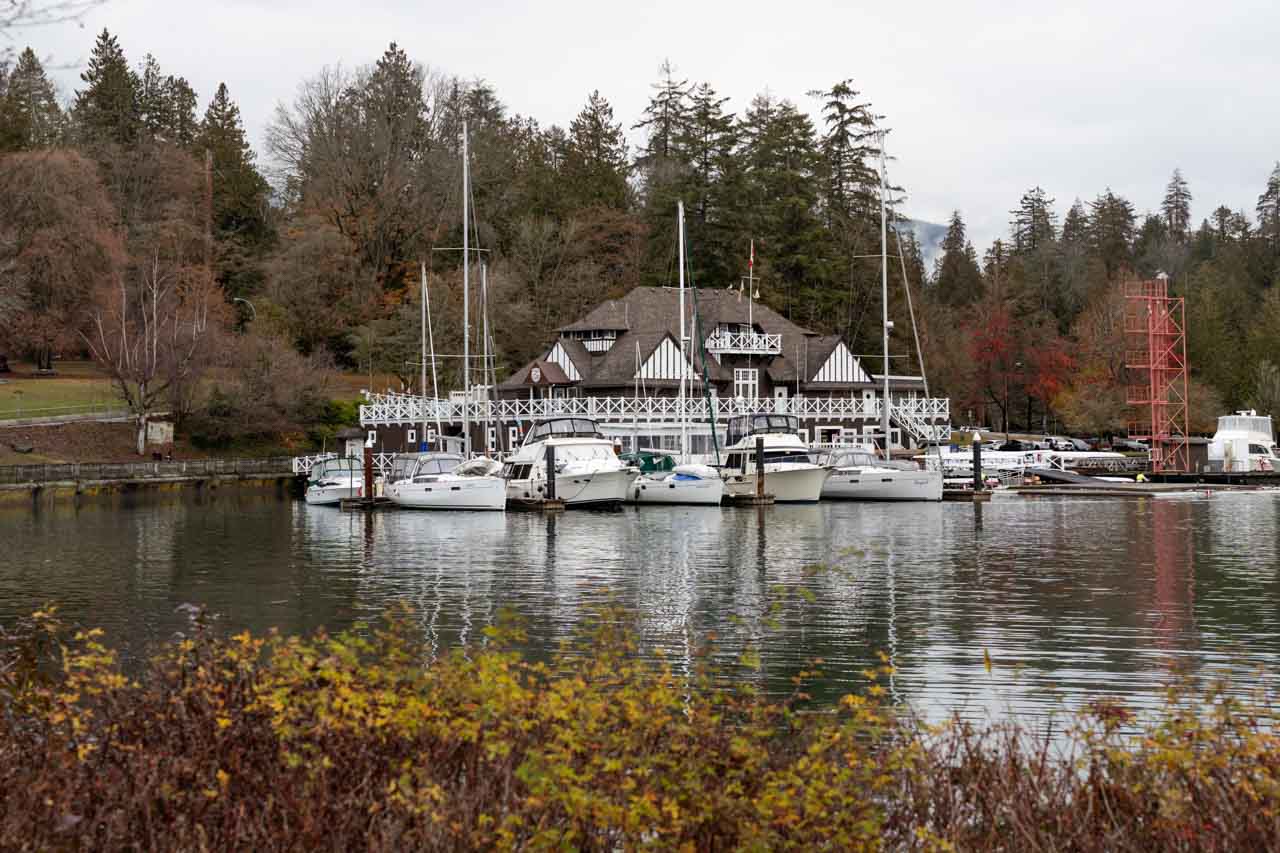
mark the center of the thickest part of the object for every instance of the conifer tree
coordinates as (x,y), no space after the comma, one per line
(1176,207)
(1111,231)
(1034,223)
(1075,228)
(1268,211)
(709,140)
(957,279)
(849,148)
(107,109)
(166,105)
(239,191)
(596,162)
(664,168)
(29,114)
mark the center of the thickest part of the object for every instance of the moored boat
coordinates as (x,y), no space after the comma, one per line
(857,475)
(587,471)
(333,480)
(443,481)
(790,474)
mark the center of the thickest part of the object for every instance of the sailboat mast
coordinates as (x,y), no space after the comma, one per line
(684,361)
(431,342)
(884,301)
(422,381)
(466,298)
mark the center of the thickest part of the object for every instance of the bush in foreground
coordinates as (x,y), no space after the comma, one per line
(352,741)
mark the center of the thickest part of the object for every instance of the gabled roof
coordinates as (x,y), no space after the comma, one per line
(551,375)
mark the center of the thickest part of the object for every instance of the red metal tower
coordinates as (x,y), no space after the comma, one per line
(1156,352)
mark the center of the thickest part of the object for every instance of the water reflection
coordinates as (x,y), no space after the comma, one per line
(1070,598)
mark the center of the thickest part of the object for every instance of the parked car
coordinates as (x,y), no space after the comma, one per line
(1060,442)
(1128,445)
(1016,445)
(1080,444)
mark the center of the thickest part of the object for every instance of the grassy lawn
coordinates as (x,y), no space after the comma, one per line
(79,386)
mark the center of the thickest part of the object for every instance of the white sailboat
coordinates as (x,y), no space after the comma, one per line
(686,483)
(446,481)
(855,473)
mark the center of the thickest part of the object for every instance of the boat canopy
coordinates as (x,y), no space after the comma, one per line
(850,459)
(342,466)
(742,426)
(650,462)
(436,463)
(564,428)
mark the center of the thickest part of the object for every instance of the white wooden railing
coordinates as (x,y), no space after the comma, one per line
(745,343)
(924,418)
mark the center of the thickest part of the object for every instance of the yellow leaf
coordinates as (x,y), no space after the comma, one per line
(986,660)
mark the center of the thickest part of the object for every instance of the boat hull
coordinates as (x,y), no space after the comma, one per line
(465,493)
(703,492)
(329,495)
(883,485)
(800,484)
(596,489)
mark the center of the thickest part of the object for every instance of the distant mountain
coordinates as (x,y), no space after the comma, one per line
(929,237)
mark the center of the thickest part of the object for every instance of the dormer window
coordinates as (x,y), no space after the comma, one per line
(594,340)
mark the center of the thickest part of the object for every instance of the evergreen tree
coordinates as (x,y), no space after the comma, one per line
(1176,207)
(712,186)
(850,148)
(596,165)
(166,105)
(29,114)
(1268,211)
(107,109)
(664,169)
(1111,227)
(957,279)
(1034,223)
(239,191)
(1075,228)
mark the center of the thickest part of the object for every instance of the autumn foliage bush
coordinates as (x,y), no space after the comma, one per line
(355,741)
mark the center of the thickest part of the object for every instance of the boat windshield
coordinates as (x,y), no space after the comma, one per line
(564,428)
(851,459)
(742,426)
(436,463)
(402,467)
(342,467)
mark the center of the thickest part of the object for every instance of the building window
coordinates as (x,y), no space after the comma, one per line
(413,436)
(746,382)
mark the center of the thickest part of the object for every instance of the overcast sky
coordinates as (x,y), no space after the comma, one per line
(985,99)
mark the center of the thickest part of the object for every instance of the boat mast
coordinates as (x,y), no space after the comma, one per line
(884,300)
(684,361)
(466,299)
(431,342)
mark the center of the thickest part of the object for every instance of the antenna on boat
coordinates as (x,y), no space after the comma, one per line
(466,298)
(884,297)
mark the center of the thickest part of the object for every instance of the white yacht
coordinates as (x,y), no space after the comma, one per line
(856,474)
(445,481)
(332,480)
(588,472)
(1244,442)
(790,474)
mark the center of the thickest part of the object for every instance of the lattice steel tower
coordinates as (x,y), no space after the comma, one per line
(1156,353)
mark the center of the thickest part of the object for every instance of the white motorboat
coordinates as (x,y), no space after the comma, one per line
(790,474)
(588,472)
(682,484)
(857,475)
(1244,442)
(332,480)
(445,481)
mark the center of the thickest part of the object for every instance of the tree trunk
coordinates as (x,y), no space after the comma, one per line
(142,434)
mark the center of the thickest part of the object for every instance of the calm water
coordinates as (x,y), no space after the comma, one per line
(1071,597)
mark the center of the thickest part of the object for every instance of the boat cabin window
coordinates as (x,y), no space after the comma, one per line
(334,468)
(747,461)
(564,428)
(437,463)
(851,460)
(745,425)
(516,471)
(1259,449)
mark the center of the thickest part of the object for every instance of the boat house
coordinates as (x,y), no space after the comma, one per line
(621,364)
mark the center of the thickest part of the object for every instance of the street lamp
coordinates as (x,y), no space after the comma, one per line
(252,311)
(1016,365)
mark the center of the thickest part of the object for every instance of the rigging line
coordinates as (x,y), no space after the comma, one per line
(906,285)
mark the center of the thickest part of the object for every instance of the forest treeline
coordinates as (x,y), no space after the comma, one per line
(137,229)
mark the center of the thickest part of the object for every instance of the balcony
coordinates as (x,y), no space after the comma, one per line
(724,342)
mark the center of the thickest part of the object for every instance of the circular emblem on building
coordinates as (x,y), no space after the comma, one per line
(535,375)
